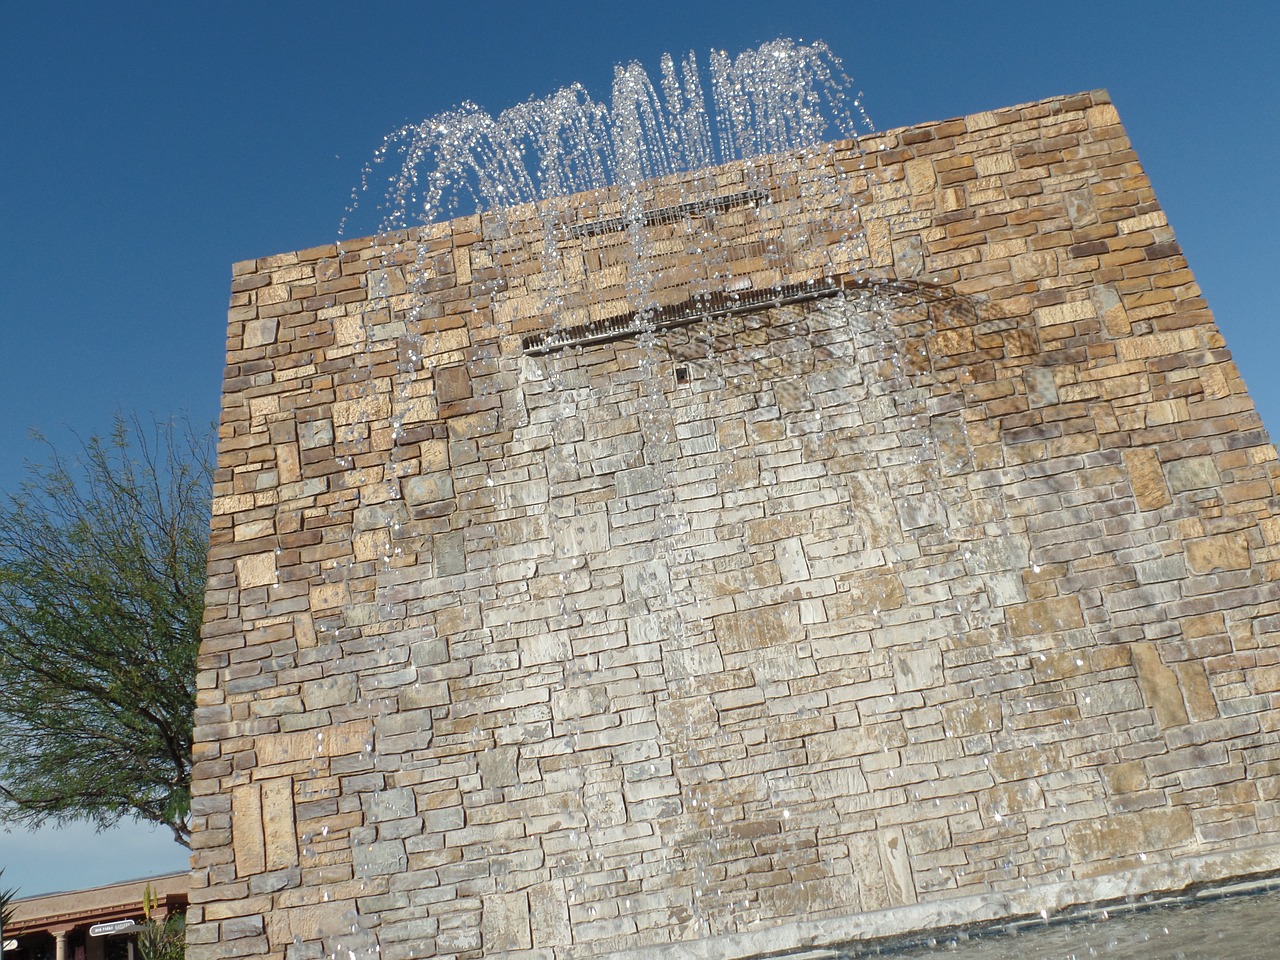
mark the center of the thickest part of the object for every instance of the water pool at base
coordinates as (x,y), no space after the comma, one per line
(1226,928)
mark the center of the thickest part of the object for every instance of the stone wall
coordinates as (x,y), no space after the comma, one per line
(946,589)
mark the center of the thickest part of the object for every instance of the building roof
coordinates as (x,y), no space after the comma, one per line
(78,908)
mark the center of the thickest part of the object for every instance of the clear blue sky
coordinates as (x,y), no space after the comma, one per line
(144,147)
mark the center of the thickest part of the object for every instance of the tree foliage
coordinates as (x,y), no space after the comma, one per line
(102,572)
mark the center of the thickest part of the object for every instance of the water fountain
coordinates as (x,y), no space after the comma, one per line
(730,538)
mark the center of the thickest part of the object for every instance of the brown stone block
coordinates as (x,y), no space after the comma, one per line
(337,740)
(756,629)
(1265,679)
(1144,832)
(246,829)
(1122,778)
(1225,552)
(1159,685)
(971,718)
(452,383)
(1048,667)
(1255,490)
(470,407)
(951,342)
(1196,692)
(1028,762)
(1044,616)
(281,841)
(1146,479)
(895,863)
(1110,657)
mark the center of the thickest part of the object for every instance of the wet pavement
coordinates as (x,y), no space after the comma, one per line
(1233,928)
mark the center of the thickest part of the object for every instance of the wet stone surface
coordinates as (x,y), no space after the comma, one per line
(1237,928)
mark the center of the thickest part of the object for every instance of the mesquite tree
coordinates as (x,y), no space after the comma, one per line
(102,573)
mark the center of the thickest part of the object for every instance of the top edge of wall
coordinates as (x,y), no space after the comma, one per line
(980,120)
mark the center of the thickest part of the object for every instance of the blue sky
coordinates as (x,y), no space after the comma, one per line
(145,147)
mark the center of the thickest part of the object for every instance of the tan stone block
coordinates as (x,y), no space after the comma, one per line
(1014,797)
(908,257)
(1111,308)
(1158,345)
(773,529)
(259,333)
(1103,115)
(895,861)
(993,164)
(1128,834)
(1146,221)
(869,595)
(452,383)
(281,839)
(1205,625)
(1044,616)
(1030,267)
(949,343)
(1060,666)
(370,545)
(548,914)
(1110,657)
(254,529)
(1265,679)
(917,669)
(1027,763)
(278,292)
(462,265)
(256,570)
(1062,313)
(1196,692)
(921,176)
(984,120)
(434,455)
(1122,778)
(235,503)
(1146,478)
(244,908)
(373,408)
(329,596)
(338,740)
(1229,551)
(288,467)
(388,282)
(246,829)
(1161,412)
(505,923)
(1215,383)
(878,242)
(972,717)
(413,410)
(1159,685)
(745,630)
(348,330)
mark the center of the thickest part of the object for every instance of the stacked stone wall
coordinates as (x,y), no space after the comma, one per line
(958,580)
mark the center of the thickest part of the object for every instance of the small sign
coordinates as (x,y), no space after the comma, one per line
(115,926)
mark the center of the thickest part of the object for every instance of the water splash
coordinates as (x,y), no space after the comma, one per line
(783,97)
